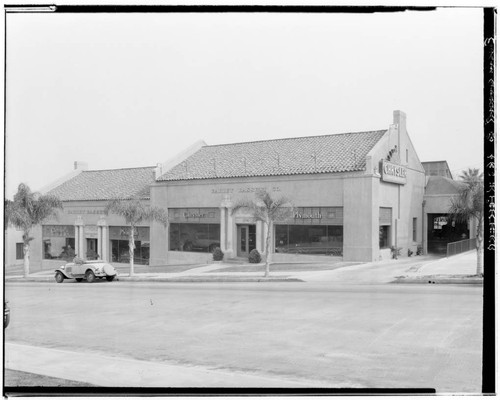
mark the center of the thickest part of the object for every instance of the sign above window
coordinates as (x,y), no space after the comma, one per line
(195,215)
(393,173)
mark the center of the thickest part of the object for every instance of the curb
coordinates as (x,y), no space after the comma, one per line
(174,280)
(430,279)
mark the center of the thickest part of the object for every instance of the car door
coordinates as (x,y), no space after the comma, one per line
(78,269)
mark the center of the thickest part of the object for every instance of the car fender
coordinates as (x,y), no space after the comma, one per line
(62,271)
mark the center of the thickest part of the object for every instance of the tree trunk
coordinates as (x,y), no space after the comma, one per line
(26,250)
(268,245)
(131,247)
(480,249)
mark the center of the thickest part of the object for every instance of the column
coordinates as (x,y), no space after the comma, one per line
(223,225)
(102,239)
(77,239)
(83,252)
(105,243)
(99,241)
(79,249)
(230,233)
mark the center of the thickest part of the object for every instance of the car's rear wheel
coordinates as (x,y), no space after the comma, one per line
(110,278)
(79,279)
(89,276)
(59,277)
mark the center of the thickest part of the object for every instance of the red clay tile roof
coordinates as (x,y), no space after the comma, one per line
(304,155)
(107,184)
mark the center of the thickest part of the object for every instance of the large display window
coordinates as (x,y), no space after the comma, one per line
(309,239)
(118,236)
(58,242)
(194,237)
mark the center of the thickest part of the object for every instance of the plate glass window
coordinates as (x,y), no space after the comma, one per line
(19,251)
(203,238)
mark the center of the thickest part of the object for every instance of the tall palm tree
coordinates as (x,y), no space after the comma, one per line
(29,209)
(471,175)
(268,210)
(134,211)
(469,204)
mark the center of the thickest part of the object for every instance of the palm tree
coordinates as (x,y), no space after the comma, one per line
(268,210)
(469,204)
(134,211)
(471,175)
(29,209)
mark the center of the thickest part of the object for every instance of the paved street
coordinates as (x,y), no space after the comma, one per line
(302,333)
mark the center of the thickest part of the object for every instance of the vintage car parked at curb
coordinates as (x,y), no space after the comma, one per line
(6,314)
(90,270)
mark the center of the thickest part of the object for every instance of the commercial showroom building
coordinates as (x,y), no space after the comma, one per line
(356,195)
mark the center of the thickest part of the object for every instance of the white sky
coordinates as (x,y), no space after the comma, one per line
(132,90)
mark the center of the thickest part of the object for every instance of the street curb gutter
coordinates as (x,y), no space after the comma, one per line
(432,279)
(173,280)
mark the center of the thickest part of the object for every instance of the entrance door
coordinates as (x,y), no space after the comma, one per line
(91,249)
(246,240)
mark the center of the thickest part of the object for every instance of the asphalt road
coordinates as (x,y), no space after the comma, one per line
(357,336)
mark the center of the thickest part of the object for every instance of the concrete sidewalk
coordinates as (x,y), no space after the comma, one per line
(108,371)
(456,269)
(416,269)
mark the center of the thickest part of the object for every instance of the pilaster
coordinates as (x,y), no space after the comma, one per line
(223,225)
(79,236)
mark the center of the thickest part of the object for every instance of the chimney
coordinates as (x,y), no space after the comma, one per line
(81,165)
(399,118)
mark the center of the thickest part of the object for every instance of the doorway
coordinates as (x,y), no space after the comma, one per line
(92,249)
(441,230)
(246,240)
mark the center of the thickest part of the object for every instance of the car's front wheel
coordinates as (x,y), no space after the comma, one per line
(90,277)
(110,278)
(59,277)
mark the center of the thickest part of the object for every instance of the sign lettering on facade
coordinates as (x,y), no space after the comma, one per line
(244,190)
(317,216)
(90,231)
(393,173)
(86,211)
(122,233)
(58,231)
(207,215)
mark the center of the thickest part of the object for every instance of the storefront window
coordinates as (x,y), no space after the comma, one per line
(19,251)
(194,237)
(58,242)
(120,248)
(309,239)
(384,237)
(120,252)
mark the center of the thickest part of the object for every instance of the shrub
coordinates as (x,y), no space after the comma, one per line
(254,257)
(218,255)
(420,250)
(396,252)
(410,253)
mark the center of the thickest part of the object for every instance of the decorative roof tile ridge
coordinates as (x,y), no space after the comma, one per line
(294,138)
(115,198)
(357,169)
(118,169)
